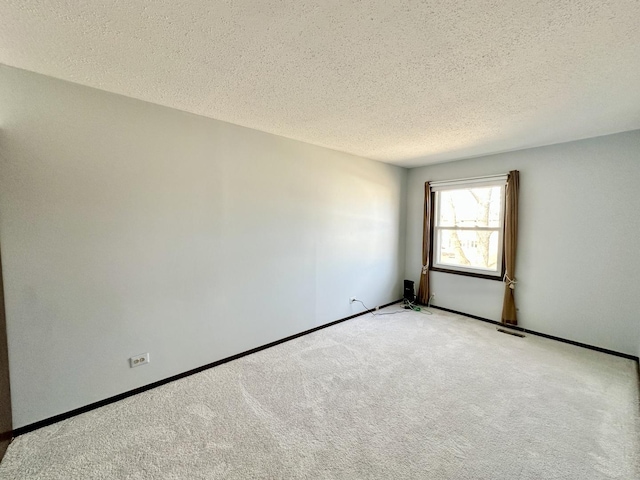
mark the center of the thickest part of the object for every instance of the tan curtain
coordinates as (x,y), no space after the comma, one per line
(423,289)
(509,314)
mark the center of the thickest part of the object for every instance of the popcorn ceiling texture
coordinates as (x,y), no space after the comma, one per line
(406,82)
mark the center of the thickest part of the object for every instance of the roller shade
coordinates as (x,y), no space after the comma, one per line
(469,182)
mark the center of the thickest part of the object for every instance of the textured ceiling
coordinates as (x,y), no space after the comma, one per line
(405,82)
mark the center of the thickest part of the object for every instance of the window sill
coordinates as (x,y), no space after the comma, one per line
(467,274)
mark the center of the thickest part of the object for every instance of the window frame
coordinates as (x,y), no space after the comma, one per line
(467,271)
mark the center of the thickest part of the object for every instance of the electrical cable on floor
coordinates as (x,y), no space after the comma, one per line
(411,306)
(416,308)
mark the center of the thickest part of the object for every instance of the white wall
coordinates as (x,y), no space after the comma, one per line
(578,266)
(128,227)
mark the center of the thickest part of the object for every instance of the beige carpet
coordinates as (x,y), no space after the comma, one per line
(387,397)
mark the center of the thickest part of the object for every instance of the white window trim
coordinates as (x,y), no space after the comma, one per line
(489,181)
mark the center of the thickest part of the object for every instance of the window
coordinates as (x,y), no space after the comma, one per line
(468,226)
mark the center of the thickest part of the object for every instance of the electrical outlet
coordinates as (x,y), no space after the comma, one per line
(138,360)
(352,299)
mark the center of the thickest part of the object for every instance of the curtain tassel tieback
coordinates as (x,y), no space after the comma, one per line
(511,283)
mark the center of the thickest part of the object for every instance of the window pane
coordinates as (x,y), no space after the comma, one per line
(470,207)
(464,248)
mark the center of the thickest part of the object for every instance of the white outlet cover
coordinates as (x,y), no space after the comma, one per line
(137,360)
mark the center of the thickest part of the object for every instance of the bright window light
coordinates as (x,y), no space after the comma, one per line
(468,229)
